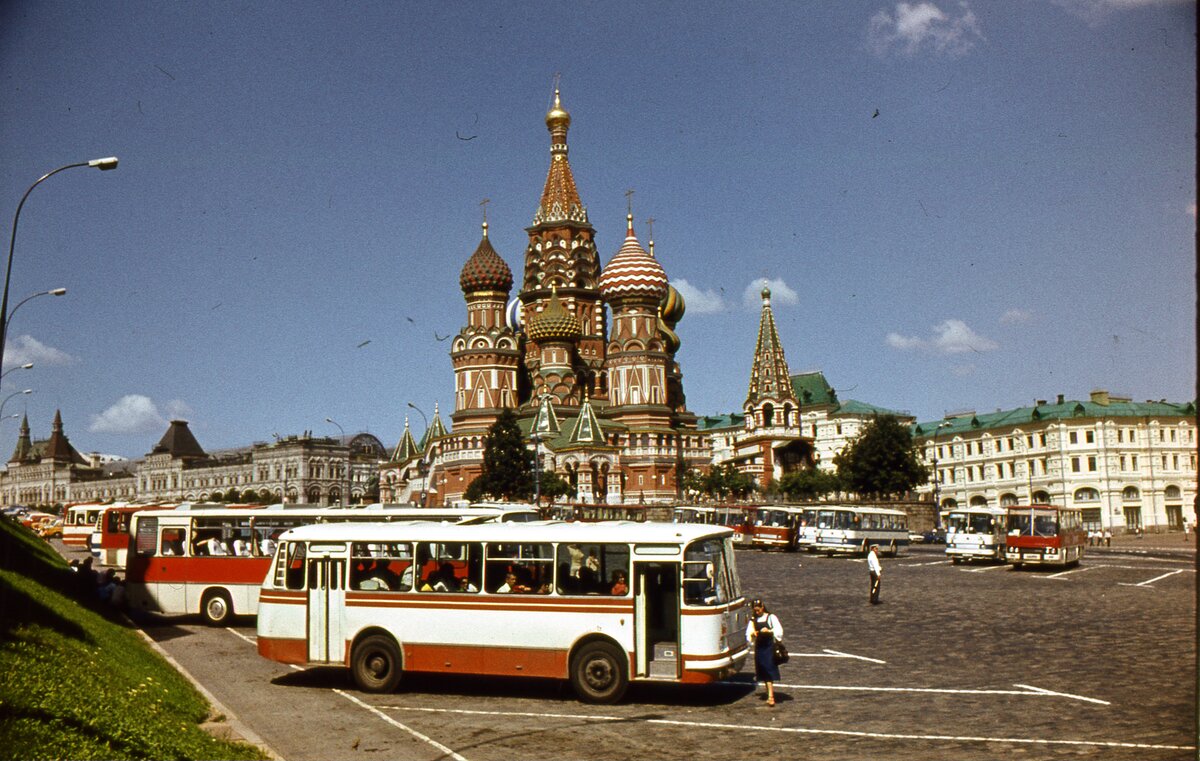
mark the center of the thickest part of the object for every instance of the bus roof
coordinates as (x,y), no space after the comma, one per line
(980,509)
(407,512)
(863,509)
(536,531)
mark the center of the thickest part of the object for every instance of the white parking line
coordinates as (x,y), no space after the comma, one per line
(839,654)
(1025,690)
(237,633)
(1078,569)
(796,730)
(1158,578)
(981,569)
(398,725)
(1042,691)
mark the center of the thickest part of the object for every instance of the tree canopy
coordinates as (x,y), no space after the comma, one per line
(882,461)
(507,468)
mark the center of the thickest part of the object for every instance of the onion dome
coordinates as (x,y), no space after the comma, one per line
(633,272)
(672,306)
(555,323)
(514,315)
(557,116)
(485,270)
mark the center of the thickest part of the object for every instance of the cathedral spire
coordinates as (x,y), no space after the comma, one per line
(769,376)
(560,199)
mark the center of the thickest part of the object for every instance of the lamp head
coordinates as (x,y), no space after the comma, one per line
(104,164)
(57,292)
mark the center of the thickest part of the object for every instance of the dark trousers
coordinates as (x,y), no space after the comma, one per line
(875,582)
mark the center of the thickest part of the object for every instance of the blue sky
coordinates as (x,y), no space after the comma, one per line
(957,204)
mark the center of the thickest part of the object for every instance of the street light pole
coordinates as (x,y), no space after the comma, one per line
(101,164)
(346,496)
(937,478)
(10,396)
(26,366)
(423,462)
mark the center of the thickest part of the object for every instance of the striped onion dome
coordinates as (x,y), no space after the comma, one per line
(633,272)
(555,323)
(485,270)
(672,306)
(513,314)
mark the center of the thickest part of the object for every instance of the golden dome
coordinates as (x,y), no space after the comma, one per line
(557,115)
(555,323)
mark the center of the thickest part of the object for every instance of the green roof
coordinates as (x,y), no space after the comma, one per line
(855,407)
(716,422)
(812,388)
(1066,410)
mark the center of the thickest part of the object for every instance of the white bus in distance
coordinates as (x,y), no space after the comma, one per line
(598,604)
(854,530)
(78,524)
(975,533)
(211,560)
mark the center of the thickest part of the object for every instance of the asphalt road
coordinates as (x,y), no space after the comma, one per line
(960,662)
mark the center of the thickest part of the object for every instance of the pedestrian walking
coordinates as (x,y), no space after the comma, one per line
(763,631)
(875,569)
(1107,537)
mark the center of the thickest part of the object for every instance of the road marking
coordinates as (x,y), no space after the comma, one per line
(1157,578)
(1026,691)
(398,725)
(981,569)
(1072,570)
(839,654)
(796,730)
(1041,691)
(237,633)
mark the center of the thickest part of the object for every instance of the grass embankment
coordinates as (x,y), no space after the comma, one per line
(76,682)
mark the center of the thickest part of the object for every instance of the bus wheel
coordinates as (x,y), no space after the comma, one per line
(215,607)
(956,560)
(598,673)
(375,664)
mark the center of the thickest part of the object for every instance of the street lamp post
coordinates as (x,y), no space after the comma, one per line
(423,463)
(346,496)
(937,478)
(537,469)
(101,164)
(10,396)
(26,366)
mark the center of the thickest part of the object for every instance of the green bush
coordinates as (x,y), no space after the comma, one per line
(78,683)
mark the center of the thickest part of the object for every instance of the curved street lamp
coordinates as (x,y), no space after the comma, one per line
(346,495)
(937,480)
(423,462)
(101,164)
(10,396)
(26,366)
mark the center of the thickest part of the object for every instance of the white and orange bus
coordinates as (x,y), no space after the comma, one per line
(109,542)
(79,522)
(1044,535)
(975,533)
(777,527)
(211,560)
(598,604)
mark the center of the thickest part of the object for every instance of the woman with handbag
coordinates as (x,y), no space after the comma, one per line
(763,631)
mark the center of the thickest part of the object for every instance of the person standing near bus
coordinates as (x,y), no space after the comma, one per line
(875,569)
(763,631)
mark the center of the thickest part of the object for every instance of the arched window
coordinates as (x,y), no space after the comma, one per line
(1041,497)
(978,501)
(1087,494)
(768,414)
(1131,494)
(1008,500)
(949,503)
(1171,492)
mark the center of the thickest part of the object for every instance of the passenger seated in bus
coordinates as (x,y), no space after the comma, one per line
(512,586)
(241,548)
(619,586)
(465,585)
(268,544)
(441,580)
(172,543)
(215,547)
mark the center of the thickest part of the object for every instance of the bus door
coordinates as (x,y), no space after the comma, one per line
(326,601)
(656,619)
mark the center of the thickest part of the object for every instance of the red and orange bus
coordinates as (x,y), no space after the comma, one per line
(1044,535)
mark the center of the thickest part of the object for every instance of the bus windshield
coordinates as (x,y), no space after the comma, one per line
(970,523)
(709,575)
(1044,523)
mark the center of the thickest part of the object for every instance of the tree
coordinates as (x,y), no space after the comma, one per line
(725,481)
(809,483)
(553,486)
(507,468)
(882,461)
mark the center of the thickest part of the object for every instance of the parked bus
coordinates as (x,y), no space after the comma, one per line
(806,534)
(975,533)
(1044,535)
(109,542)
(853,530)
(663,604)
(705,515)
(776,527)
(739,518)
(79,522)
(587,512)
(211,561)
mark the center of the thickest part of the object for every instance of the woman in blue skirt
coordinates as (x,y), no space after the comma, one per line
(763,631)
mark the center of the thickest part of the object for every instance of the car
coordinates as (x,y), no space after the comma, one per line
(935,536)
(50,528)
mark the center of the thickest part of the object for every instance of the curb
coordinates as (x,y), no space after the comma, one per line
(229,728)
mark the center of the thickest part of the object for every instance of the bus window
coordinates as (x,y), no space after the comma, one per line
(1018,524)
(589,569)
(172,541)
(294,575)
(530,566)
(705,577)
(381,566)
(451,567)
(1045,525)
(147,536)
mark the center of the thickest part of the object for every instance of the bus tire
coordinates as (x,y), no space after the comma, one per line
(216,607)
(375,664)
(599,673)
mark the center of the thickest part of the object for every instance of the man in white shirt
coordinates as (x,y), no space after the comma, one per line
(875,568)
(215,547)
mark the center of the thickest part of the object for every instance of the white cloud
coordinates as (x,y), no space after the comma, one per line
(177,409)
(1015,316)
(134,413)
(950,337)
(917,26)
(697,301)
(781,293)
(29,349)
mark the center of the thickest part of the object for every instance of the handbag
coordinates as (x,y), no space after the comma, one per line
(781,653)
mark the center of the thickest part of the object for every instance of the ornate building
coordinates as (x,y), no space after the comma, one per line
(603,407)
(292,469)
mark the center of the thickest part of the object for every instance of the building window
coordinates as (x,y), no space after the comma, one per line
(1087,494)
(1131,494)
(1120,436)
(1073,437)
(1090,436)
(1075,465)
(1091,464)
(1042,440)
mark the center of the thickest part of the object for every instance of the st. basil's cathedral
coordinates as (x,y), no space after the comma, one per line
(602,405)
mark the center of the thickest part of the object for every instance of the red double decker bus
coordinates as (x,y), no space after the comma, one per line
(1044,535)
